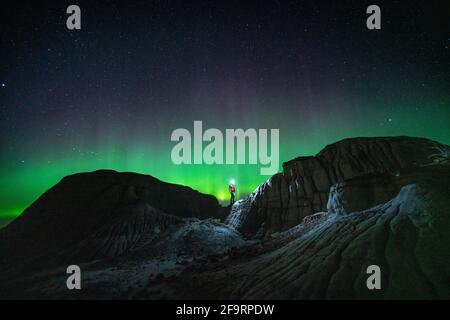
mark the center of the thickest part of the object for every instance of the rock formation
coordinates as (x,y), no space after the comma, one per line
(310,232)
(303,186)
(407,237)
(104,215)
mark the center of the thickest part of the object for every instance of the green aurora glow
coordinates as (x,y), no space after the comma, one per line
(109,96)
(26,176)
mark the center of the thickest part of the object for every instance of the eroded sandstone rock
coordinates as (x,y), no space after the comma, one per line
(304,185)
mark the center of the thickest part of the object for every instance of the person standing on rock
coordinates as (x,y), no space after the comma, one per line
(232,190)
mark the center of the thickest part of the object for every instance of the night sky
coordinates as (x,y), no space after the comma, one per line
(109,95)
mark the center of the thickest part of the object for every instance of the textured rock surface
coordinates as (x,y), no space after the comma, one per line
(303,186)
(135,236)
(238,213)
(98,215)
(407,237)
(125,253)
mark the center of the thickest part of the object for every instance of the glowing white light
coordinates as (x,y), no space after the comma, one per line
(232,182)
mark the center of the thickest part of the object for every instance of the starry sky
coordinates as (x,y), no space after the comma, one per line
(109,95)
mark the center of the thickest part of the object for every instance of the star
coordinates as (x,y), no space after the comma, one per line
(3,84)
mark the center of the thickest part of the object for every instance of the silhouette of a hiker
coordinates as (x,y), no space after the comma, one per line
(232,191)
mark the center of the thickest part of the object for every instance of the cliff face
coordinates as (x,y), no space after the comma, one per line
(316,227)
(304,185)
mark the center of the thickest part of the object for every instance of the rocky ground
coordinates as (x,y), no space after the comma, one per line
(310,232)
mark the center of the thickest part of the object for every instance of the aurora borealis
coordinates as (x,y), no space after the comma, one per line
(109,95)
